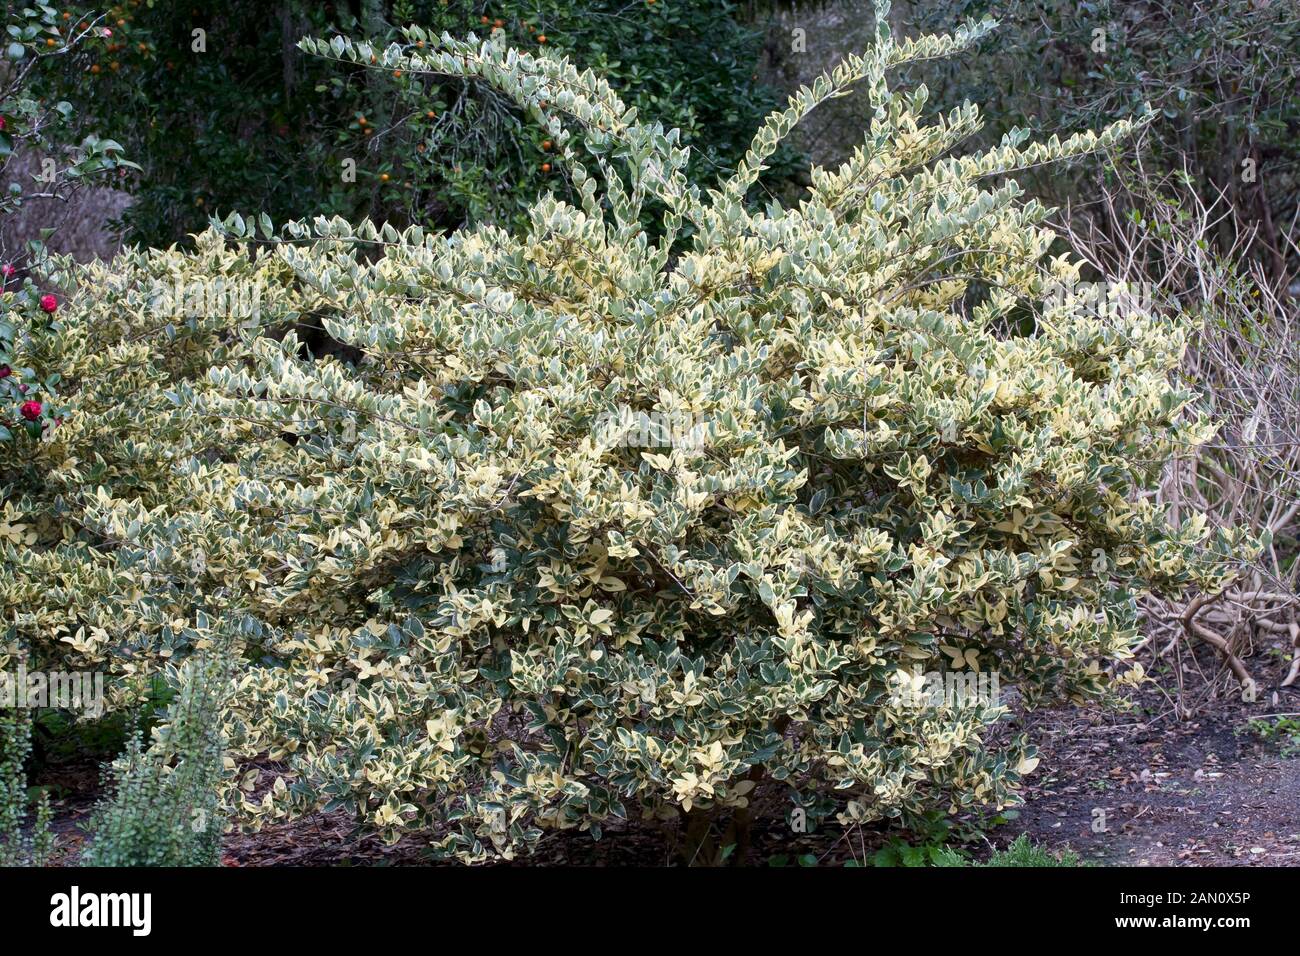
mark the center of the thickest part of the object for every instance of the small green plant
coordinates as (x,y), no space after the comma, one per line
(931,836)
(900,853)
(165,808)
(1284,730)
(19,844)
(1021,852)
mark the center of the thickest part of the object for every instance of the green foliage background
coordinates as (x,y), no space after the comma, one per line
(253,125)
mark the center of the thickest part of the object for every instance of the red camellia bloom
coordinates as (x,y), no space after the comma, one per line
(30,410)
(5,371)
(49,303)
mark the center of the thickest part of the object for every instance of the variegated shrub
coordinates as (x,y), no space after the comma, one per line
(483,592)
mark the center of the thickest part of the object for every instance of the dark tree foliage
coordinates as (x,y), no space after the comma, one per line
(236,118)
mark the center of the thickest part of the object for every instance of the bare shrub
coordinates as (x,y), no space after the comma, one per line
(1245,360)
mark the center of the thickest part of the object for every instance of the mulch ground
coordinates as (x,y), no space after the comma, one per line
(1149,789)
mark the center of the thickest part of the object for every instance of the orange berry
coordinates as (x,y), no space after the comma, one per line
(546,144)
(114,65)
(498,23)
(397,73)
(50,41)
(361,121)
(94,68)
(383,177)
(546,167)
(429,114)
(482,19)
(541,38)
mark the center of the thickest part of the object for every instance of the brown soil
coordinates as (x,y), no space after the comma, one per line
(1156,791)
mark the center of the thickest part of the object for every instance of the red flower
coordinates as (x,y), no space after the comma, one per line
(8,269)
(2,124)
(5,371)
(49,304)
(30,410)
